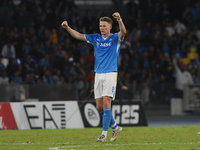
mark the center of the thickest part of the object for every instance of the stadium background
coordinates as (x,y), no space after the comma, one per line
(47,64)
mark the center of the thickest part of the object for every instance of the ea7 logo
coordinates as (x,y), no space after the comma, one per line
(92,114)
(47,118)
(126,114)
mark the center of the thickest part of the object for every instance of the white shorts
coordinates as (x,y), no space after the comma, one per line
(105,85)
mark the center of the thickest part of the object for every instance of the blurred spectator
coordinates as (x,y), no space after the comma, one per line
(145,61)
(183,77)
(195,11)
(187,18)
(90,77)
(145,94)
(162,66)
(11,68)
(165,47)
(48,48)
(198,74)
(196,32)
(2,66)
(28,79)
(60,52)
(29,64)
(136,71)
(192,65)
(162,79)
(8,50)
(4,80)
(17,78)
(58,78)
(187,42)
(26,47)
(194,75)
(47,78)
(45,61)
(11,82)
(169,29)
(33,37)
(179,27)
(87,56)
(54,36)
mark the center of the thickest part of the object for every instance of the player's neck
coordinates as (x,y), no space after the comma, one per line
(106,35)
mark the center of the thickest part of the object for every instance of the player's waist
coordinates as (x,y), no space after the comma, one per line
(103,71)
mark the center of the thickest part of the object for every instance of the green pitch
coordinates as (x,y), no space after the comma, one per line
(136,138)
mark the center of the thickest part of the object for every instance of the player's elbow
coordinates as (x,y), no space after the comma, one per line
(77,37)
(124,32)
(80,37)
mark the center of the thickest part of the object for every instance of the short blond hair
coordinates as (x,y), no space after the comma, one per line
(107,19)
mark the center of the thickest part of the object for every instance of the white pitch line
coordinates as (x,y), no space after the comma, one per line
(76,146)
(29,143)
(107,144)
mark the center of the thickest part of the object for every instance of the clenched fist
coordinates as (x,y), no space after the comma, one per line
(64,24)
(116,15)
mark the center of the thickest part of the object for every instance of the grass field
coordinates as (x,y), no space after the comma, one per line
(136,138)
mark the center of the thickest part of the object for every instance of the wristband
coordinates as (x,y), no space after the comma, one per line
(119,19)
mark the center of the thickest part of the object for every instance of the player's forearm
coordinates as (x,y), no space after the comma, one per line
(122,27)
(75,34)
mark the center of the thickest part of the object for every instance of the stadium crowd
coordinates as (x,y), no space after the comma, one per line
(35,49)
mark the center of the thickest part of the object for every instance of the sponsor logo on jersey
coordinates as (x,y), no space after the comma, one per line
(105,44)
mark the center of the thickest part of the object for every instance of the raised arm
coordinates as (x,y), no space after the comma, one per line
(122,28)
(72,32)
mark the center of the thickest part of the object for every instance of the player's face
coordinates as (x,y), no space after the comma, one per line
(105,28)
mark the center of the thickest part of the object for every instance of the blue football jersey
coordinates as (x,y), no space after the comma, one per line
(106,52)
